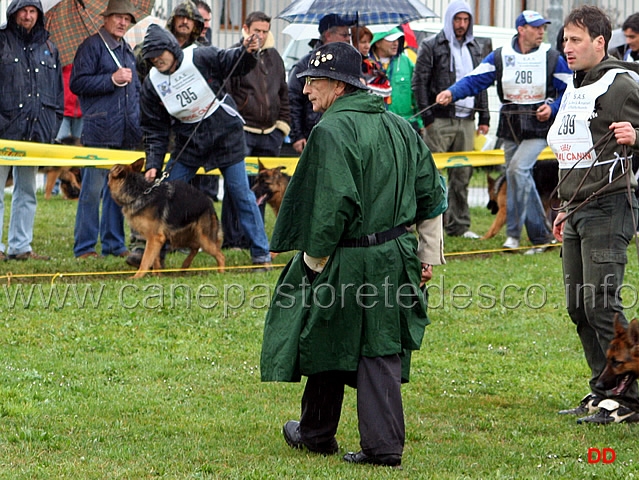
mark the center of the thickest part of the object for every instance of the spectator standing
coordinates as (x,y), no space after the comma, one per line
(205,10)
(387,52)
(213,139)
(332,28)
(376,80)
(104,80)
(599,212)
(441,61)
(31,109)
(262,99)
(531,77)
(629,52)
(352,184)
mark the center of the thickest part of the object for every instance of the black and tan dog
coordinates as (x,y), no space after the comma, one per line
(622,359)
(172,210)
(270,187)
(546,176)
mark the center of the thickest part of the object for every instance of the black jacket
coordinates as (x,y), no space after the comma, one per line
(303,118)
(32,99)
(432,75)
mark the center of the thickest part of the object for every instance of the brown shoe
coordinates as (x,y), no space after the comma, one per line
(3,257)
(84,256)
(124,254)
(28,255)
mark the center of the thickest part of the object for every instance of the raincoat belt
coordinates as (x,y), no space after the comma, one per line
(374,238)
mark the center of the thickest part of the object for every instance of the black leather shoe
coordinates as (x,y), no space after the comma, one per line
(291,431)
(360,457)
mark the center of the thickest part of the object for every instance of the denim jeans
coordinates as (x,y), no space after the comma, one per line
(594,257)
(88,224)
(70,127)
(236,182)
(524,206)
(23,208)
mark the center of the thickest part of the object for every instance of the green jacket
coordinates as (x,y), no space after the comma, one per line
(364,170)
(620,103)
(400,75)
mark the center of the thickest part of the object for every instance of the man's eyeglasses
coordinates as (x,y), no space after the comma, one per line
(309,80)
(343,35)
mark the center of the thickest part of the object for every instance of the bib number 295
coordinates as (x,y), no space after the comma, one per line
(186,97)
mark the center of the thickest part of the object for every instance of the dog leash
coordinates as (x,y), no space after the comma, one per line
(167,171)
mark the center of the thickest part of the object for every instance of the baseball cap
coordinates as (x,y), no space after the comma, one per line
(394,34)
(532,18)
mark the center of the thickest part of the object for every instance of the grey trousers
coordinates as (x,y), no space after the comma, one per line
(594,258)
(454,135)
(379,406)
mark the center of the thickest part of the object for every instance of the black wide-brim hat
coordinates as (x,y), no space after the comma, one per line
(336,60)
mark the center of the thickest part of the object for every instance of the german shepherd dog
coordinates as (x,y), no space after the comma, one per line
(172,210)
(622,366)
(545,174)
(270,187)
(70,177)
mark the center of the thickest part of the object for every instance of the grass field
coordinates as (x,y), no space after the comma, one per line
(102,377)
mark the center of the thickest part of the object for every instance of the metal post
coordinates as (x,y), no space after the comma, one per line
(556,16)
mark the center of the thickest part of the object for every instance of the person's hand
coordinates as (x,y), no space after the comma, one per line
(482,129)
(558,226)
(299,145)
(427,274)
(444,98)
(150,174)
(252,43)
(625,134)
(122,76)
(544,112)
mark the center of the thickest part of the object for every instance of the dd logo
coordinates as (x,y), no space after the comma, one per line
(607,455)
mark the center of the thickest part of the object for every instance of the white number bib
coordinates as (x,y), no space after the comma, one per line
(569,136)
(524,76)
(184,93)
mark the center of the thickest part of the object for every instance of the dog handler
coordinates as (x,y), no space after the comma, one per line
(347,309)
(175,97)
(597,193)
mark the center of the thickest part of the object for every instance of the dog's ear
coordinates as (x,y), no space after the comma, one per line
(620,330)
(260,165)
(491,182)
(633,332)
(117,170)
(138,165)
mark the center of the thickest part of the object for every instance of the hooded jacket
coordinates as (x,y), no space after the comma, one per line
(215,65)
(111,114)
(435,70)
(262,94)
(619,103)
(400,73)
(32,100)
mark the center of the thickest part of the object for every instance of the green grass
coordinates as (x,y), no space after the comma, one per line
(149,380)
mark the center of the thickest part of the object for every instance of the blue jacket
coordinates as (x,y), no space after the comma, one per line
(111,114)
(514,123)
(32,96)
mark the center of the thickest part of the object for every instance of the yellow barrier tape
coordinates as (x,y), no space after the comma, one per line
(44,155)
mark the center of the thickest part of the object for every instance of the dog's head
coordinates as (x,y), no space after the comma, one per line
(270,181)
(493,192)
(119,174)
(622,366)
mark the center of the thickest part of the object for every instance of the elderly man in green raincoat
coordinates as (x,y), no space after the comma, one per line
(348,309)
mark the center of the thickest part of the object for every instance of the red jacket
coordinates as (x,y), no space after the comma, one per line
(71,102)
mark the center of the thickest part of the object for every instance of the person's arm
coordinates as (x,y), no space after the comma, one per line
(155,122)
(297,101)
(87,77)
(561,77)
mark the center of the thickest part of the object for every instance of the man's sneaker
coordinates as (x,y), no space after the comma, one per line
(471,235)
(588,404)
(611,412)
(28,256)
(511,242)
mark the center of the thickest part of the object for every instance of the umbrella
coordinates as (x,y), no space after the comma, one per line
(71,21)
(136,33)
(362,12)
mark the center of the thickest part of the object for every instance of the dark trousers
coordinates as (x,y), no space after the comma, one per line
(379,406)
(594,258)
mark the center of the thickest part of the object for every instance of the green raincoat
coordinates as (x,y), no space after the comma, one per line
(363,171)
